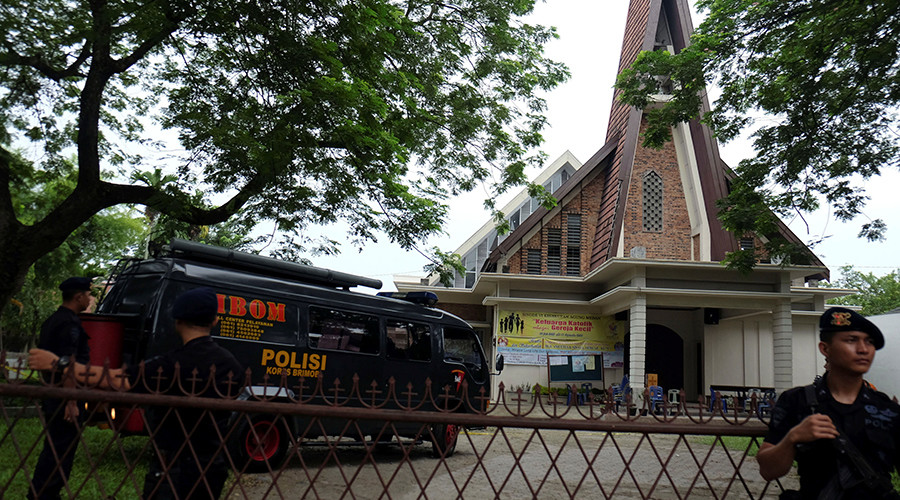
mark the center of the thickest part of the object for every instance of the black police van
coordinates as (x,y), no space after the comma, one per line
(286,319)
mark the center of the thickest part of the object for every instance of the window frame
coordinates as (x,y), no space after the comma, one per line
(388,338)
(341,345)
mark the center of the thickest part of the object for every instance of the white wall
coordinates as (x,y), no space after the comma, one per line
(740,352)
(885,371)
(723,353)
(808,361)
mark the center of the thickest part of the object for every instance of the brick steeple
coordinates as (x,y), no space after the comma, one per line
(628,200)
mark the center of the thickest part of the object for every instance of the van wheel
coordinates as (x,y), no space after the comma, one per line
(262,439)
(445,438)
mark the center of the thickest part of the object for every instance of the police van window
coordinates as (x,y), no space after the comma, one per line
(461,346)
(407,340)
(343,330)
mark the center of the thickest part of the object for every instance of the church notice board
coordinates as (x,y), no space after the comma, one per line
(574,368)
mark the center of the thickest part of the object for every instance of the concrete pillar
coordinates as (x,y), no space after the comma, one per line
(782,340)
(637,316)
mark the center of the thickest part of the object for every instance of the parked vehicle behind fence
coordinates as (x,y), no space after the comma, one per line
(283,319)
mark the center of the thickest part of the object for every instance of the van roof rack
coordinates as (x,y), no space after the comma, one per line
(422,298)
(267,265)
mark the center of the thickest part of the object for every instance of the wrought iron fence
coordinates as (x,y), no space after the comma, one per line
(318,441)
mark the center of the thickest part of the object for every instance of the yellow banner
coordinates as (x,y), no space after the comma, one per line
(575,345)
(524,342)
(559,331)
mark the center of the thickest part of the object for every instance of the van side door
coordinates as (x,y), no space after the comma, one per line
(408,358)
(463,360)
(346,343)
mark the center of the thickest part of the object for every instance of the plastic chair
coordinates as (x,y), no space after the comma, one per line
(674,398)
(585,394)
(621,392)
(764,405)
(579,397)
(712,401)
(656,397)
(572,395)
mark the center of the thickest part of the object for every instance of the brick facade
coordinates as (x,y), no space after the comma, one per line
(587,203)
(673,242)
(468,312)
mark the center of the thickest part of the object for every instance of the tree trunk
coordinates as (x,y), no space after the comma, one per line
(17,254)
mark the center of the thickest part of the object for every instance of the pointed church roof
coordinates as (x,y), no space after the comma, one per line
(655,24)
(650,25)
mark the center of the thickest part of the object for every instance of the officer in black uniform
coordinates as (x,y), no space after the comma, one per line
(63,335)
(809,425)
(195,316)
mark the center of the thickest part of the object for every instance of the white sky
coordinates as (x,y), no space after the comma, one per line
(590,41)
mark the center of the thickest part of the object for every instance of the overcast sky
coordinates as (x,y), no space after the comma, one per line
(590,41)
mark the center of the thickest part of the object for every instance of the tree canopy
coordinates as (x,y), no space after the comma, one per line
(826,76)
(876,294)
(370,111)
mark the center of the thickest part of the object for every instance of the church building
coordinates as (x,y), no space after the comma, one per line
(624,276)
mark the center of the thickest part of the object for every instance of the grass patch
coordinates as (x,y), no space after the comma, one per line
(25,439)
(739,443)
(742,443)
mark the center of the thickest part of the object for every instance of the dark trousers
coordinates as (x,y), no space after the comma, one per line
(184,475)
(55,461)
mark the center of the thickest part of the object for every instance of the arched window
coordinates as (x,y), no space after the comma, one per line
(653,202)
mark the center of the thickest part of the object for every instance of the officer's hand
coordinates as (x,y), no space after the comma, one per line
(72,411)
(815,426)
(40,359)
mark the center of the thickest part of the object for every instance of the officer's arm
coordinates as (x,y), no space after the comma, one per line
(775,460)
(41,359)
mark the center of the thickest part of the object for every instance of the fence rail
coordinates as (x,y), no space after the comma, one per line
(356,442)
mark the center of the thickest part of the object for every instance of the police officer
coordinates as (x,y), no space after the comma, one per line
(63,335)
(195,314)
(812,424)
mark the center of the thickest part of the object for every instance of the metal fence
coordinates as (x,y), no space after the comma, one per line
(319,441)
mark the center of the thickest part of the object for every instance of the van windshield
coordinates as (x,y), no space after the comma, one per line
(462,346)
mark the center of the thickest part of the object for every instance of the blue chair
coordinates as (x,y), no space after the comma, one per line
(579,397)
(621,392)
(656,398)
(765,402)
(572,396)
(712,401)
(585,394)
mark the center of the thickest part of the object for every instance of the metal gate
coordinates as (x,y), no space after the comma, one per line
(356,443)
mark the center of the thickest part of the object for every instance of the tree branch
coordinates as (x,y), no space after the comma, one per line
(120,65)
(12,58)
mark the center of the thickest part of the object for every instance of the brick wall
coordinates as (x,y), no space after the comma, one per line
(587,203)
(674,241)
(468,312)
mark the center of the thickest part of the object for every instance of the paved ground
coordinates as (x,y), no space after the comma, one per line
(518,463)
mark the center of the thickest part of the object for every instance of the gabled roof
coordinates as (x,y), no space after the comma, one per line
(563,191)
(513,204)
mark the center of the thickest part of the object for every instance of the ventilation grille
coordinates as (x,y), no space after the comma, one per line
(653,203)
